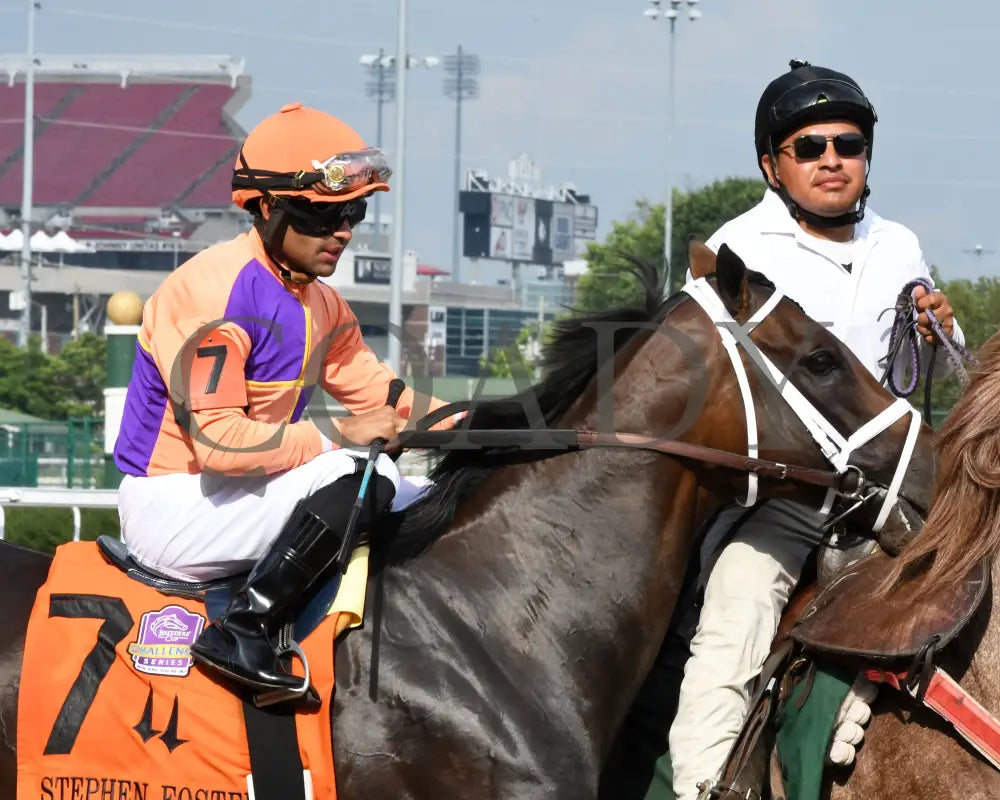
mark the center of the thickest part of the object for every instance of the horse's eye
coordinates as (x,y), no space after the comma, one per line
(822,362)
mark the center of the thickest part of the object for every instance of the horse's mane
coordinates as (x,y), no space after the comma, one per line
(963,526)
(569,361)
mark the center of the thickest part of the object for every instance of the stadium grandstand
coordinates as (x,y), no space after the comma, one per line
(131,174)
(132,159)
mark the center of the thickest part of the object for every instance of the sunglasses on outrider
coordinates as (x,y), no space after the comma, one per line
(811,146)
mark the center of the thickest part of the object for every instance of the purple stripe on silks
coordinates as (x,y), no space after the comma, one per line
(302,402)
(273,319)
(145,403)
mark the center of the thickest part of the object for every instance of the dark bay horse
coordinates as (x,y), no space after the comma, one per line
(908,750)
(526,598)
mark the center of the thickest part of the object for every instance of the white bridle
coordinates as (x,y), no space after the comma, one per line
(835,447)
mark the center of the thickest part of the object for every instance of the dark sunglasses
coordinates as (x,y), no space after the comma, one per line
(326,219)
(813,145)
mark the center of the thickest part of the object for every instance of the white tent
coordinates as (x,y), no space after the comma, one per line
(62,242)
(13,241)
(41,243)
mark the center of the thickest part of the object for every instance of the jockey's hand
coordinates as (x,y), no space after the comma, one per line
(363,429)
(937,302)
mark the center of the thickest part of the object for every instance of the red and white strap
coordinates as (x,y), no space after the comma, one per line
(945,697)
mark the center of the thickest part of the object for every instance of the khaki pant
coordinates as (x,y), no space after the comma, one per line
(745,594)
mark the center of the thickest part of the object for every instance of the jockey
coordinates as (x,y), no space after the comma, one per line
(814,238)
(222,474)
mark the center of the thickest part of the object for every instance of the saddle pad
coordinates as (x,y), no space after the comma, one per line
(805,729)
(111,704)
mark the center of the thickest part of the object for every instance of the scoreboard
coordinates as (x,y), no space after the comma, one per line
(520,222)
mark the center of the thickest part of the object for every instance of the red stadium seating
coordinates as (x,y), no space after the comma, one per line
(175,130)
(194,136)
(47,96)
(218,185)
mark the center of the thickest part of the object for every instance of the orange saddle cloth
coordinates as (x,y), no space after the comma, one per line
(112,706)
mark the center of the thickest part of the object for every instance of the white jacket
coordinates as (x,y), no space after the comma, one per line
(885,257)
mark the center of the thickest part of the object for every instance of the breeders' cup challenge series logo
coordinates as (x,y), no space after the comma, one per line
(164,642)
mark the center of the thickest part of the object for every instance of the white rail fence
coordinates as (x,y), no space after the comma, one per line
(42,497)
(411,463)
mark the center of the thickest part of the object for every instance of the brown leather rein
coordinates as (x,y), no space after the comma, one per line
(849,484)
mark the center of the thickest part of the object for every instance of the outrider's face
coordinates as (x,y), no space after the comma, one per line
(828,185)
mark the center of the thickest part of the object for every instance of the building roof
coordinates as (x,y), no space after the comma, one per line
(8,416)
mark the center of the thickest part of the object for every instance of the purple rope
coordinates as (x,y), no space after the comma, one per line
(904,332)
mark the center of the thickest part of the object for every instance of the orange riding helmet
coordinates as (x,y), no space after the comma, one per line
(302,152)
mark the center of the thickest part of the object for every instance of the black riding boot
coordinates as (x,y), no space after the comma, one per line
(242,642)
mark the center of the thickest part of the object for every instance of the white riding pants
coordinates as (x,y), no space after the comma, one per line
(746,592)
(202,527)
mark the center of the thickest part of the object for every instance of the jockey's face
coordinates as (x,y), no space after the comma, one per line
(310,256)
(830,185)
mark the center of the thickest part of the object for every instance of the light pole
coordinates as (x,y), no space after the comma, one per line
(654,13)
(382,89)
(28,176)
(461,85)
(395,349)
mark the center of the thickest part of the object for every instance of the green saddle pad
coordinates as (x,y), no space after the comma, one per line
(804,733)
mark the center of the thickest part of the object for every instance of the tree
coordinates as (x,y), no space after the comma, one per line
(54,387)
(23,385)
(697,213)
(80,371)
(522,355)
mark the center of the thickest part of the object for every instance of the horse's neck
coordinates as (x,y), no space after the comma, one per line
(588,553)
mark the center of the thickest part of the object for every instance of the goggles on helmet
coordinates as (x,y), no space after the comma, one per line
(339,173)
(354,170)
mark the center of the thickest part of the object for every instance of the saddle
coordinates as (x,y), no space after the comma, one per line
(842,625)
(116,553)
(216,594)
(894,629)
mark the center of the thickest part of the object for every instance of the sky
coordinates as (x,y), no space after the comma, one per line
(582,88)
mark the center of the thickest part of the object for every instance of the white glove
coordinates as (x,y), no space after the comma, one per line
(854,714)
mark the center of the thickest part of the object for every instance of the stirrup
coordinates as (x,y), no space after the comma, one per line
(712,790)
(287,646)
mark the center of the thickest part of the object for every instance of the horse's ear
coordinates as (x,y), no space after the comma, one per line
(701,260)
(734,286)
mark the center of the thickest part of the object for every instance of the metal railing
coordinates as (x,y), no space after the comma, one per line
(75,499)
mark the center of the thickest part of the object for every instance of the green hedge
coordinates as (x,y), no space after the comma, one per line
(45,528)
